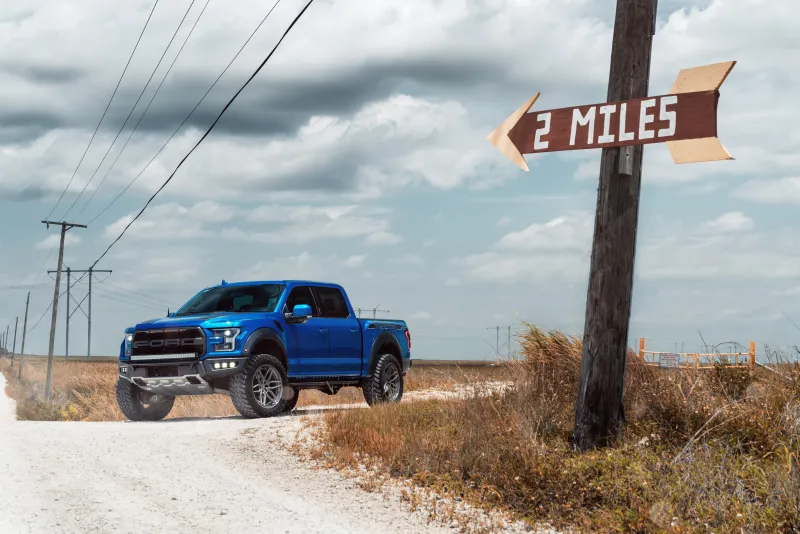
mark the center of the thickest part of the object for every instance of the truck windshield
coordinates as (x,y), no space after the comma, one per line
(234,299)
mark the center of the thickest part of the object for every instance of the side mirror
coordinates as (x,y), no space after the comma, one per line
(300,313)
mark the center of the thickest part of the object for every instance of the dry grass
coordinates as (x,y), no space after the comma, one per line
(83,391)
(702,451)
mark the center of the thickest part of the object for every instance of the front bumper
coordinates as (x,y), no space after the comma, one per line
(182,378)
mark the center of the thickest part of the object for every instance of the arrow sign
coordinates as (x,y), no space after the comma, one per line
(685,119)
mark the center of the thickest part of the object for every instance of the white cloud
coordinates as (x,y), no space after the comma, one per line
(300,266)
(503,221)
(572,231)
(514,268)
(383,238)
(172,268)
(682,257)
(589,169)
(304,224)
(782,191)
(355,261)
(387,145)
(558,248)
(344,227)
(731,222)
(52,241)
(300,214)
(171,220)
(420,315)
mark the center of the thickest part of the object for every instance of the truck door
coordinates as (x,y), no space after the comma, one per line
(308,343)
(344,331)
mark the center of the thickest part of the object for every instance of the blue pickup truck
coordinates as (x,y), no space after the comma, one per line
(261,343)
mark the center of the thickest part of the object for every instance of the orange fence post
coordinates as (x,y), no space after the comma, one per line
(641,348)
(752,355)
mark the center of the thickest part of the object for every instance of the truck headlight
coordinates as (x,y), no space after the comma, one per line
(224,339)
(128,344)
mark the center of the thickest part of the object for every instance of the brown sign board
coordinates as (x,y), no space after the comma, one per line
(685,119)
(646,120)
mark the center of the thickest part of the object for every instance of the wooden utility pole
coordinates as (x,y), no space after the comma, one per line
(89,321)
(599,411)
(14,346)
(66,343)
(64,227)
(24,331)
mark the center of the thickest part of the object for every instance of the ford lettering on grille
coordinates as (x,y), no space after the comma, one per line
(185,342)
(181,342)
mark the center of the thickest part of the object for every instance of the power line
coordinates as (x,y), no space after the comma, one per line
(154,299)
(188,116)
(230,102)
(106,110)
(133,299)
(146,85)
(152,98)
(45,312)
(22,286)
(104,294)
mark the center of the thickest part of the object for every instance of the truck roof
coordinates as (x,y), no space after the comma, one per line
(287,282)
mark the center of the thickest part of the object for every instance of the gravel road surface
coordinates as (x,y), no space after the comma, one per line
(190,475)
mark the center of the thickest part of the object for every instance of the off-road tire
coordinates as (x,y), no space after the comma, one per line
(374,386)
(241,387)
(291,402)
(132,407)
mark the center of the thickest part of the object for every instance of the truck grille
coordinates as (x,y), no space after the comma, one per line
(168,344)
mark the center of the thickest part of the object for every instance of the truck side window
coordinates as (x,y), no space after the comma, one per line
(302,295)
(332,302)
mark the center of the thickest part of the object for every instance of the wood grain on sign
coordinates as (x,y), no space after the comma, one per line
(640,121)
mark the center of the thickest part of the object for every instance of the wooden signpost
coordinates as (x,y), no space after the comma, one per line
(686,120)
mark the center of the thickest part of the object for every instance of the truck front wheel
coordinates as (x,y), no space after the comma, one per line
(386,383)
(138,405)
(258,390)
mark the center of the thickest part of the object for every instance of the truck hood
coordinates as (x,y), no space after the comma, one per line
(208,320)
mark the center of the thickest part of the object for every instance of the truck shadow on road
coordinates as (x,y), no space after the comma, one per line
(300,412)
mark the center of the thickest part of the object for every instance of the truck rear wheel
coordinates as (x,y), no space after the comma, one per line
(386,383)
(138,405)
(258,391)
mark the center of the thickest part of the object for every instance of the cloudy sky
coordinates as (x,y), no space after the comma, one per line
(358,155)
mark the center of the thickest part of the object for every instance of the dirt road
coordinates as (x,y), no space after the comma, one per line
(191,475)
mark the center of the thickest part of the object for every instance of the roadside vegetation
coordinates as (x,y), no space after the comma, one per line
(84,391)
(703,450)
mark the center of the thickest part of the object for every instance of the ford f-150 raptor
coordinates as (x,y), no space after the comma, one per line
(261,343)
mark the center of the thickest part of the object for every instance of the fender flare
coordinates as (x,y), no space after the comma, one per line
(265,333)
(384,338)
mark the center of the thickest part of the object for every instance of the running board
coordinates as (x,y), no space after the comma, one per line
(316,383)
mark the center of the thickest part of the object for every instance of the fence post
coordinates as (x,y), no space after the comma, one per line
(752,356)
(641,348)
